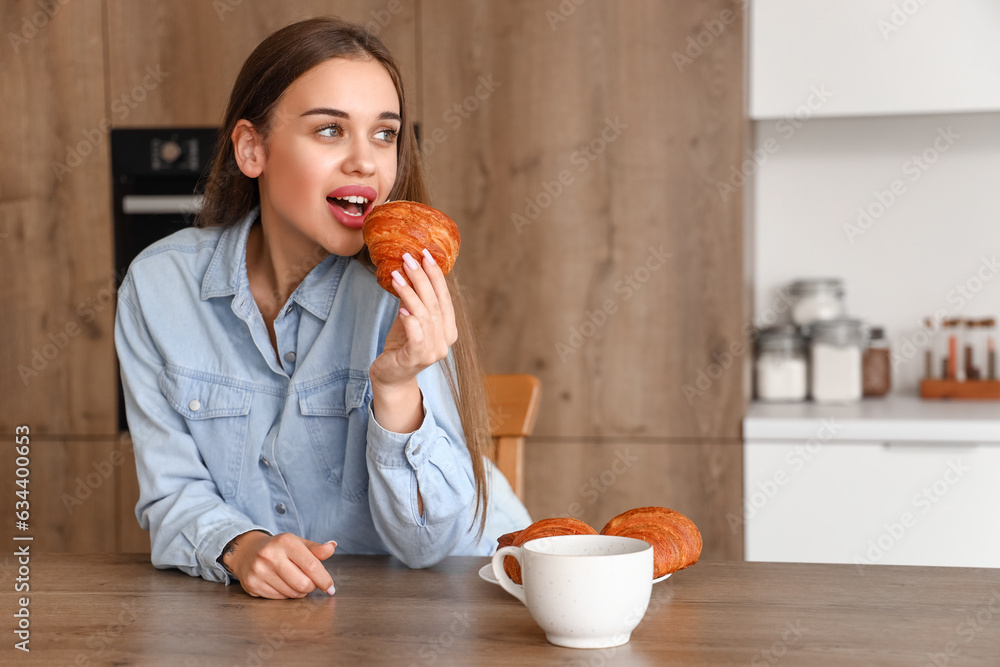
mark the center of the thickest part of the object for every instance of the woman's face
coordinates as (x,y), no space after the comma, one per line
(332,138)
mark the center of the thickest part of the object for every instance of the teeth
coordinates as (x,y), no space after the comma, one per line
(354,199)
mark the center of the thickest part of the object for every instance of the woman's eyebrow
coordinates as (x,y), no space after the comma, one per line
(326,111)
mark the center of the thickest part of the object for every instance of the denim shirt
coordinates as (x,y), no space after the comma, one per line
(230,436)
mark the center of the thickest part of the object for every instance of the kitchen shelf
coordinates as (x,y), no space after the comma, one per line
(889,419)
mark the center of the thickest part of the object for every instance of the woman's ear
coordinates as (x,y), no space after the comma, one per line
(249,149)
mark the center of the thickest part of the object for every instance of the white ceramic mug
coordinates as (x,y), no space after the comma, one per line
(585,591)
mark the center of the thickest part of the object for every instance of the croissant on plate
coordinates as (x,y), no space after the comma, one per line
(543,528)
(676,540)
(398,227)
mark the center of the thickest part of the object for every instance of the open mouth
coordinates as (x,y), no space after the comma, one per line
(353,205)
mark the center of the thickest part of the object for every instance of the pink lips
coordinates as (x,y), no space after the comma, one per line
(342,216)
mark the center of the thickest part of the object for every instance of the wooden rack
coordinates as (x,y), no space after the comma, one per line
(970,389)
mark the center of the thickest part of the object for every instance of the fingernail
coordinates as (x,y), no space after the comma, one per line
(398,279)
(404,312)
(409,261)
(333,543)
(331,590)
(428,255)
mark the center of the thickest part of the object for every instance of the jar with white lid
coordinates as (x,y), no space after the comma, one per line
(835,353)
(815,299)
(781,365)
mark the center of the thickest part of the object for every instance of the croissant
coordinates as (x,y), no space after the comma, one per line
(543,528)
(676,540)
(397,227)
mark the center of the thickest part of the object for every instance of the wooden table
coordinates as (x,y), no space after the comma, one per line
(117,609)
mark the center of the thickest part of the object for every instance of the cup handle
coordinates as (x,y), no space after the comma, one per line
(501,574)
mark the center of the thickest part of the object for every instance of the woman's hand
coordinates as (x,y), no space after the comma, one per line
(280,566)
(420,336)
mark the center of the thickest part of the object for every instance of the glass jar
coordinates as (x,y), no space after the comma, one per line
(781,366)
(817,299)
(876,367)
(835,356)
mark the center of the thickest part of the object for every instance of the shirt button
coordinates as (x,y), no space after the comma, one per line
(264,462)
(194,405)
(290,357)
(280,508)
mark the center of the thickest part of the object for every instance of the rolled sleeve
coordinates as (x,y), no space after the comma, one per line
(433,459)
(389,449)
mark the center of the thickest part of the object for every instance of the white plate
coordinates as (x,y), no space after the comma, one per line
(486,574)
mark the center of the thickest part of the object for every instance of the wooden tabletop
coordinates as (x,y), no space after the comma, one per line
(118,609)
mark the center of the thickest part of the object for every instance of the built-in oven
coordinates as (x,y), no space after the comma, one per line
(157,177)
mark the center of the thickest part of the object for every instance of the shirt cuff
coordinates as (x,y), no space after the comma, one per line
(389,449)
(211,550)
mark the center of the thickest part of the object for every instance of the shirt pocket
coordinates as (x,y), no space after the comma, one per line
(217,416)
(337,427)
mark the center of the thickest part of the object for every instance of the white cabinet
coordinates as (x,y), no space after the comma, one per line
(835,497)
(873,57)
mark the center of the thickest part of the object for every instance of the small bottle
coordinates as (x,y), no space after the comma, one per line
(951,336)
(990,331)
(876,368)
(974,357)
(930,368)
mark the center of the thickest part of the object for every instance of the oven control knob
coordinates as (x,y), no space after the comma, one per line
(170,151)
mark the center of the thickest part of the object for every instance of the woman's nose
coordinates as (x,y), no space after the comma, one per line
(360,159)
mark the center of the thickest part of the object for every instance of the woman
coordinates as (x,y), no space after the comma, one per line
(281,404)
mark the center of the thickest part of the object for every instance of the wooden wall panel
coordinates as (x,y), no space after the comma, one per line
(510,94)
(56,273)
(71,492)
(200,47)
(615,275)
(598,479)
(131,538)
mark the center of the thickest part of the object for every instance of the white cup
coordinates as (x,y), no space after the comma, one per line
(585,591)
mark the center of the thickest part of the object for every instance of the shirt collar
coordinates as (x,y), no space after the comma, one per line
(227,272)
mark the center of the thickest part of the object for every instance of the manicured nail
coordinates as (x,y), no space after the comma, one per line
(404,312)
(398,279)
(409,261)
(428,255)
(331,590)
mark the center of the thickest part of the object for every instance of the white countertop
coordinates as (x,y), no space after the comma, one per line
(889,419)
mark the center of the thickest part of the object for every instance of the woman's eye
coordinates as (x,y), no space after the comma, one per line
(331,131)
(387,135)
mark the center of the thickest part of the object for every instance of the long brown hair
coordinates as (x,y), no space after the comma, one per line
(230,196)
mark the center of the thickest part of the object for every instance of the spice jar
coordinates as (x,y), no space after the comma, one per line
(989,332)
(876,377)
(816,299)
(781,365)
(931,368)
(951,339)
(974,350)
(835,355)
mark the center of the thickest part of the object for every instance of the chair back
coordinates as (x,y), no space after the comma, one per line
(513,407)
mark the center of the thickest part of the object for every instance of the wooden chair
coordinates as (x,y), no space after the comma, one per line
(513,407)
